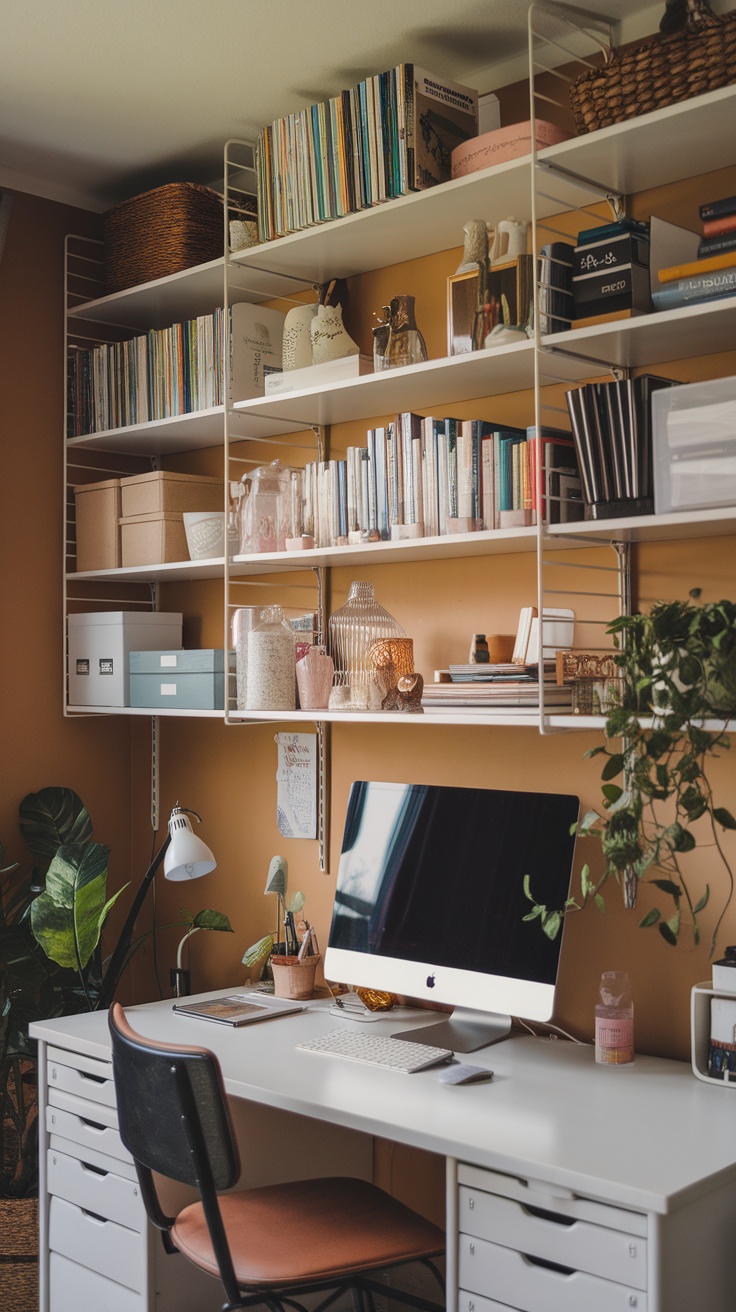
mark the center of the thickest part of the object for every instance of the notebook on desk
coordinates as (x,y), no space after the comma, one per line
(239,1008)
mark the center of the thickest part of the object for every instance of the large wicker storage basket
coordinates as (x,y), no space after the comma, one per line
(161,232)
(661,71)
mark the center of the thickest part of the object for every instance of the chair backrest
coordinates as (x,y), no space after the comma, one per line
(172,1110)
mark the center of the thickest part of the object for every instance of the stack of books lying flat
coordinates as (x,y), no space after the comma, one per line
(713,274)
(496,685)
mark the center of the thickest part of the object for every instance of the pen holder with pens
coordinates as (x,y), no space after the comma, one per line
(294,978)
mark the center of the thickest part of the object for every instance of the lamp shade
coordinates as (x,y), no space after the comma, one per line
(187,857)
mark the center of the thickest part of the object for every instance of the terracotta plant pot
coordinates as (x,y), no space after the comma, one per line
(293,978)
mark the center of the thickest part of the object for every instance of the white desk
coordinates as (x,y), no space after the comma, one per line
(643,1157)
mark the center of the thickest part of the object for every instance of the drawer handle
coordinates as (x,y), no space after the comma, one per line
(544,1215)
(92,1125)
(96,1079)
(94,1216)
(549,1266)
(93,1170)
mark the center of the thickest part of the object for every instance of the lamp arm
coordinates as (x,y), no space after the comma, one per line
(117,961)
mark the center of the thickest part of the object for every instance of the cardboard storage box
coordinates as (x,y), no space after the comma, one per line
(183,680)
(99,646)
(164,491)
(152,539)
(97,520)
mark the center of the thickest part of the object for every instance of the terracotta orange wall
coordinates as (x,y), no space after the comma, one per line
(39,746)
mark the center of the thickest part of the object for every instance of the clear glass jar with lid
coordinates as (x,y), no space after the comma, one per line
(271,678)
(264,510)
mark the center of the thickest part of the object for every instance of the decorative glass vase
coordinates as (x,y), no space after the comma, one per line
(405,342)
(314,679)
(352,630)
(264,512)
(271,684)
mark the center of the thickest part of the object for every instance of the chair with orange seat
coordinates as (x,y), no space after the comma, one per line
(268,1244)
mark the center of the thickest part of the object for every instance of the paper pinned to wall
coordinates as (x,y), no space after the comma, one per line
(296,781)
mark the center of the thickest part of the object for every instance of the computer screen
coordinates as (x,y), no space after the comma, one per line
(430,903)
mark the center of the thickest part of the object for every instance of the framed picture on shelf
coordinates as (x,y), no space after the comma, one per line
(509,301)
(462,304)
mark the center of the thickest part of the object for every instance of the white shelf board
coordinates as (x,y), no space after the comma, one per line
(656,148)
(160,302)
(144,710)
(703,329)
(453,715)
(172,572)
(598,722)
(187,432)
(453,546)
(427,386)
(718,522)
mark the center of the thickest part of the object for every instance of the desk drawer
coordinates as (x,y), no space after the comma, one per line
(101,1191)
(476,1303)
(550,1234)
(100,1112)
(76,1287)
(521,1282)
(104,1246)
(88,1131)
(84,1076)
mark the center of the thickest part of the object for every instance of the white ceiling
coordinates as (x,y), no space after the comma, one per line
(101,99)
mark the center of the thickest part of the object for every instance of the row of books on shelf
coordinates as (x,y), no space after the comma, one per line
(391,134)
(164,372)
(427,477)
(711,274)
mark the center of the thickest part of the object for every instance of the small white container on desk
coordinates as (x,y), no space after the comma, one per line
(702,998)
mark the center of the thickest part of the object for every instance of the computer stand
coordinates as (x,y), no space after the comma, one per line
(464,1031)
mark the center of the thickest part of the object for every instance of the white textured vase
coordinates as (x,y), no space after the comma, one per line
(297,344)
(330,340)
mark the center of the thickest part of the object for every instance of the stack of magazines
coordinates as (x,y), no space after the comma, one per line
(497,685)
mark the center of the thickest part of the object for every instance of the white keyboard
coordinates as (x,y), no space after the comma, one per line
(377,1050)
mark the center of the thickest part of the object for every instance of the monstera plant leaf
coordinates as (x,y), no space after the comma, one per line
(68,918)
(51,817)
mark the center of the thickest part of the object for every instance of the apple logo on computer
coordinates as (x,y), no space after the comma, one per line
(430,981)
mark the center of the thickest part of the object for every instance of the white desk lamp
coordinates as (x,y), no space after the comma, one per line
(185,857)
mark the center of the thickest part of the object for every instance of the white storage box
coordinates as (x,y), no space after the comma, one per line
(694,445)
(99,644)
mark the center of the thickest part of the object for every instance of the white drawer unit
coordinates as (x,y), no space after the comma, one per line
(534,1248)
(96,1189)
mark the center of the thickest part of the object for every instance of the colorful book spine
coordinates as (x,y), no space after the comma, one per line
(713,227)
(716,209)
(704,287)
(679,272)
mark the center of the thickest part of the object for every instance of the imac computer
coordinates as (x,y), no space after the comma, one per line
(430,903)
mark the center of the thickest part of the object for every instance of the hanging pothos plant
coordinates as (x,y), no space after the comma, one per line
(672,709)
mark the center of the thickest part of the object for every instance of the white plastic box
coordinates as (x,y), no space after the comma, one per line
(99,647)
(694,446)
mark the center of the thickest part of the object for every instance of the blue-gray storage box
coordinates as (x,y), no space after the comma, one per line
(178,680)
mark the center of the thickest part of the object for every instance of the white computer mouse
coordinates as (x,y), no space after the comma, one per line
(461,1072)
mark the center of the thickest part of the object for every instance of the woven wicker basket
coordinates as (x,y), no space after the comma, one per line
(161,232)
(18,1254)
(661,71)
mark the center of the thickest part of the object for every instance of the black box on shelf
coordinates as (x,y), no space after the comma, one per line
(610,253)
(623,288)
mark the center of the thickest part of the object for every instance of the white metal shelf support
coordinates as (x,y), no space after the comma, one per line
(555,30)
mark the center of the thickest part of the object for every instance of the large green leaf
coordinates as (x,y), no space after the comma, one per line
(69,916)
(52,817)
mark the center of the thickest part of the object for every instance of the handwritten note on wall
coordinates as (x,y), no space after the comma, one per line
(296,780)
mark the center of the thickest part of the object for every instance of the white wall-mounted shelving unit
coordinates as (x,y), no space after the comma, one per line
(616,161)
